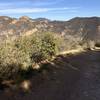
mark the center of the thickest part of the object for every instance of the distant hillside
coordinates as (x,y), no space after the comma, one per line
(82,28)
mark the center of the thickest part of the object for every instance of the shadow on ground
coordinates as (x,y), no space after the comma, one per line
(68,77)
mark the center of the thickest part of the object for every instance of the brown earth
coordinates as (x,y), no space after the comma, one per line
(68,77)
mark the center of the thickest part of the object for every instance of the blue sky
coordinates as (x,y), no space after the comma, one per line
(52,9)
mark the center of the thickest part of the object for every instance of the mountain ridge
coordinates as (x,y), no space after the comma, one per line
(83,27)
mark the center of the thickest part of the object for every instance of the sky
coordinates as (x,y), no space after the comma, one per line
(51,9)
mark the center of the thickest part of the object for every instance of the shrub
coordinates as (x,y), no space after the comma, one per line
(12,60)
(23,52)
(38,46)
(45,48)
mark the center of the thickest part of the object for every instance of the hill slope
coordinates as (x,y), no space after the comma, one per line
(75,30)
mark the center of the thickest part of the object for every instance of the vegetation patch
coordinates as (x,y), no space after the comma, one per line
(20,55)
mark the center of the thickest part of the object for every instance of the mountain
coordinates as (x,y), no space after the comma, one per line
(87,28)
(41,19)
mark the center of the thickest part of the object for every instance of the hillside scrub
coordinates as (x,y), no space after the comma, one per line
(22,53)
(27,51)
(39,46)
(12,60)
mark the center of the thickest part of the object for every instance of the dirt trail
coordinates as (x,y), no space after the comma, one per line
(88,85)
(71,77)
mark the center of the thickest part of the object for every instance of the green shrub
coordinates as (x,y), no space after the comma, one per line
(45,47)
